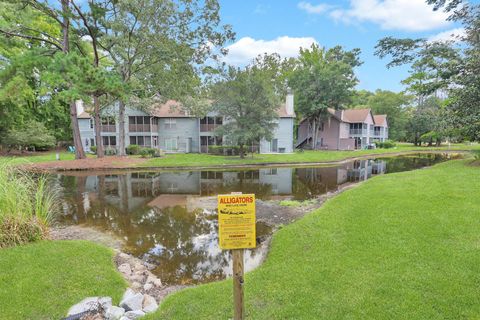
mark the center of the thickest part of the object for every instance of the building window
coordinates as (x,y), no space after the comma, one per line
(92,142)
(109,140)
(91,123)
(170,123)
(171,144)
(271,172)
(144,141)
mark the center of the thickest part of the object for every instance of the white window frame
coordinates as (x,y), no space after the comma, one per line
(171,144)
(170,123)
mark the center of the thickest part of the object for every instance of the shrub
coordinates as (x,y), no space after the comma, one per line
(33,135)
(147,152)
(93,149)
(110,151)
(476,154)
(133,149)
(27,206)
(385,145)
(227,150)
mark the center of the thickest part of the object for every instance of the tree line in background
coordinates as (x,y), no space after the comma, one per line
(131,52)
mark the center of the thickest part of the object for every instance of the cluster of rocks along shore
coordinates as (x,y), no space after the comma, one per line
(143,296)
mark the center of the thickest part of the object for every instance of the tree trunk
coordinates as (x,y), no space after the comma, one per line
(314,134)
(98,137)
(430,142)
(77,140)
(438,142)
(121,129)
(242,153)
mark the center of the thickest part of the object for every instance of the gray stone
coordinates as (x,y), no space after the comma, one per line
(125,269)
(136,285)
(105,302)
(128,293)
(149,304)
(90,303)
(132,303)
(136,277)
(148,286)
(114,313)
(134,314)
(154,280)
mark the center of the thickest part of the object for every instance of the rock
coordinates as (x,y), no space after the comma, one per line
(132,303)
(139,267)
(154,280)
(134,314)
(87,304)
(114,313)
(148,286)
(149,304)
(105,302)
(136,278)
(128,294)
(136,285)
(125,269)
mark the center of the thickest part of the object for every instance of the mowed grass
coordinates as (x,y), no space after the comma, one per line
(398,246)
(36,158)
(43,280)
(208,160)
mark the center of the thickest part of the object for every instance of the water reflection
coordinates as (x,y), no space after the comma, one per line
(160,217)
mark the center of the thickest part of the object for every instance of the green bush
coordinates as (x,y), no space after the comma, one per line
(224,150)
(110,151)
(147,152)
(33,136)
(27,206)
(133,149)
(93,149)
(476,154)
(385,145)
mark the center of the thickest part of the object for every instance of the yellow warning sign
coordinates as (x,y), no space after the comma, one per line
(236,221)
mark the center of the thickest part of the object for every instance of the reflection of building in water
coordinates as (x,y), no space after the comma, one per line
(363,169)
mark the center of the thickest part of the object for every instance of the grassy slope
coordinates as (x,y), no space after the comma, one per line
(40,157)
(43,280)
(192,159)
(402,246)
(195,159)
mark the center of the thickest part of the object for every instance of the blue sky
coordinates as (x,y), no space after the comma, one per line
(283,26)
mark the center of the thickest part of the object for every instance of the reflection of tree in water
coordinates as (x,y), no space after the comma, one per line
(246,181)
(312,182)
(406,163)
(183,244)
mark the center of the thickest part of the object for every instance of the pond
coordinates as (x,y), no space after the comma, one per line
(167,218)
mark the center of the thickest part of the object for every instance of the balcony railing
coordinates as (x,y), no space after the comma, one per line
(358,131)
(108,128)
(143,128)
(208,127)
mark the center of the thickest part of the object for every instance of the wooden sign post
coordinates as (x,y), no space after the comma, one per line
(236,228)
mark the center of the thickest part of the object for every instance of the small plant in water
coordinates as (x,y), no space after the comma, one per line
(27,206)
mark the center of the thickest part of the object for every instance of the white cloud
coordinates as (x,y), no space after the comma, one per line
(453,35)
(406,15)
(245,49)
(314,9)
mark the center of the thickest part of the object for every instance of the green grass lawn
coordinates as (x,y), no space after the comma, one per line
(399,246)
(207,160)
(36,158)
(43,280)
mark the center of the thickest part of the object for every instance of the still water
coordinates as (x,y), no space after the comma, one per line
(160,218)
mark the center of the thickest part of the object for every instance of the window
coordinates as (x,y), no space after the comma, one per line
(170,123)
(91,123)
(109,140)
(171,144)
(140,141)
(92,142)
(219,120)
(133,140)
(271,172)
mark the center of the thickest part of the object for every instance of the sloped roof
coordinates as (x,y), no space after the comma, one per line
(169,109)
(380,119)
(84,115)
(355,115)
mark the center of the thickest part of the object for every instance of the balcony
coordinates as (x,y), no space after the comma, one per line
(208,127)
(358,132)
(143,128)
(108,128)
